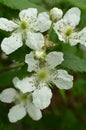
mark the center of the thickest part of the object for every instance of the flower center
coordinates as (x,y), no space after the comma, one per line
(68,31)
(24,25)
(43,74)
(23,97)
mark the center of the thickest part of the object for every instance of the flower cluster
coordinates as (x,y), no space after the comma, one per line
(33,93)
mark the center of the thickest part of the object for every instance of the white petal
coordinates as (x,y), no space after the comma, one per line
(8,95)
(28,15)
(54,58)
(35,40)
(73,16)
(27,84)
(34,112)
(7,25)
(43,22)
(16,113)
(73,42)
(62,79)
(78,37)
(42,97)
(12,43)
(74,39)
(59,28)
(32,63)
(82,36)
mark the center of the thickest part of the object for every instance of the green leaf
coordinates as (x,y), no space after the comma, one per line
(70,116)
(6,78)
(79,3)
(74,63)
(63,94)
(20,4)
(79,87)
(7,127)
(19,55)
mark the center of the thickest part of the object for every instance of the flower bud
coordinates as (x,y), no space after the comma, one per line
(39,54)
(55,14)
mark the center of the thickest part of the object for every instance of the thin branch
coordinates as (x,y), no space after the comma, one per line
(11,67)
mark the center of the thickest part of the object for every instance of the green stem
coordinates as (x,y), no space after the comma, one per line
(50,31)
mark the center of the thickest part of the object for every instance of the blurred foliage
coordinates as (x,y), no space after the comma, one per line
(68,108)
(21,4)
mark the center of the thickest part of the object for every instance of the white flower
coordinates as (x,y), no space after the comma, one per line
(27,29)
(41,94)
(23,105)
(55,14)
(46,73)
(65,28)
